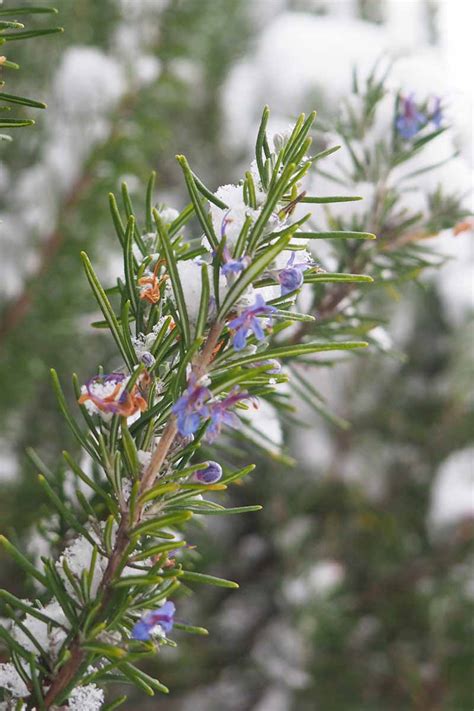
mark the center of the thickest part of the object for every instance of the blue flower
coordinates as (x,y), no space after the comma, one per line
(225,221)
(436,116)
(209,475)
(410,120)
(233,266)
(291,277)
(248,321)
(190,409)
(220,415)
(148,359)
(163,616)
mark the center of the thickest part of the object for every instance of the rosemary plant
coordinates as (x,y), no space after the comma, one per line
(13,31)
(191,320)
(391,158)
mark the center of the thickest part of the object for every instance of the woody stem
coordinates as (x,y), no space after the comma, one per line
(77,655)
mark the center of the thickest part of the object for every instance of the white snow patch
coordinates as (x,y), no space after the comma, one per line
(12,681)
(8,463)
(452,496)
(86,698)
(49,637)
(319,581)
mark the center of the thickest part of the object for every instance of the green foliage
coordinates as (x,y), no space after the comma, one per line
(132,505)
(13,31)
(336,328)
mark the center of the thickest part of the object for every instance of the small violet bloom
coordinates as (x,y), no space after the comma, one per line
(436,116)
(410,120)
(191,407)
(220,415)
(225,221)
(148,359)
(291,277)
(209,475)
(233,266)
(248,321)
(163,618)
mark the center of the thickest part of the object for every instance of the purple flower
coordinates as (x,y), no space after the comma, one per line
(225,221)
(291,277)
(209,475)
(163,616)
(148,359)
(220,415)
(436,116)
(191,408)
(410,120)
(233,266)
(248,321)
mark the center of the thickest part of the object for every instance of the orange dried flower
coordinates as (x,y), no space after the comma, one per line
(107,394)
(150,285)
(464,226)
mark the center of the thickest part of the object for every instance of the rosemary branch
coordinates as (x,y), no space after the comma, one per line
(69,671)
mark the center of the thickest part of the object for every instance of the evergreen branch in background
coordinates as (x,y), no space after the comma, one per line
(360,514)
(19,33)
(188,373)
(150,476)
(17,309)
(396,255)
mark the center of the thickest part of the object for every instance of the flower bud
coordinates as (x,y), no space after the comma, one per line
(210,475)
(147,359)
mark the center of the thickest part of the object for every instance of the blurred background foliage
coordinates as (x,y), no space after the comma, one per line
(356,589)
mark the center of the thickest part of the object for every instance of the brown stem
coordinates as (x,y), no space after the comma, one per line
(171,429)
(158,456)
(67,673)
(69,670)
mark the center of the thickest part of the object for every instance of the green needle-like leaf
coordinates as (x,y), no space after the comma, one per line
(106,309)
(68,417)
(202,631)
(117,220)
(22,561)
(149,202)
(292,351)
(259,151)
(192,577)
(201,212)
(15,123)
(28,609)
(23,101)
(28,34)
(335,277)
(203,314)
(172,268)
(332,198)
(129,271)
(28,10)
(160,522)
(335,234)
